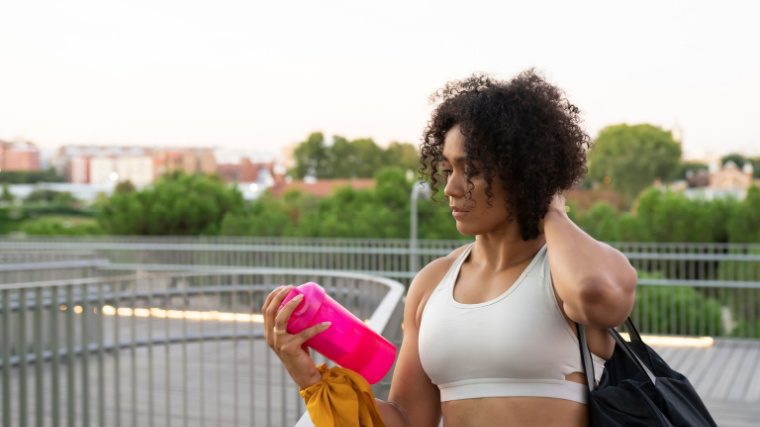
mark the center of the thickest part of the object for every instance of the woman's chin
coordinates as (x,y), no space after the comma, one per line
(466,229)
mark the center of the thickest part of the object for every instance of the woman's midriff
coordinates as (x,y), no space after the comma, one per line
(514,411)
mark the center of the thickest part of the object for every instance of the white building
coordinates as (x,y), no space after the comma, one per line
(136,169)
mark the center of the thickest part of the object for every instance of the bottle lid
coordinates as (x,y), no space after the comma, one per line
(313,296)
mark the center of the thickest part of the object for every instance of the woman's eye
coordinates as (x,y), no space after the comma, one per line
(446,173)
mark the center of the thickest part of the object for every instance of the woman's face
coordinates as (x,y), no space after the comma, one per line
(473,215)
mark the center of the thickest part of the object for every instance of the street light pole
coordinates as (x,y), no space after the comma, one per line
(418,189)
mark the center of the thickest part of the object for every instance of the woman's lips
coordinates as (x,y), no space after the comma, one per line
(458,213)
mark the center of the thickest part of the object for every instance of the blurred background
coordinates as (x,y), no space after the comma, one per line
(169,163)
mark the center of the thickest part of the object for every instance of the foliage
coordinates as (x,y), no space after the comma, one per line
(30,177)
(684,168)
(755,161)
(311,157)
(35,211)
(631,157)
(601,222)
(671,217)
(744,225)
(6,195)
(360,158)
(50,197)
(61,227)
(10,219)
(677,310)
(666,216)
(737,158)
(381,212)
(177,204)
(124,187)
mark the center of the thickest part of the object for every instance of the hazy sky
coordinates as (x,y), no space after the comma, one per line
(258,75)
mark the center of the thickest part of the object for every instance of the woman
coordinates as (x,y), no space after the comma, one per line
(489,330)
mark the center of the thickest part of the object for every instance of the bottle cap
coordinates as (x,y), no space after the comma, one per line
(313,297)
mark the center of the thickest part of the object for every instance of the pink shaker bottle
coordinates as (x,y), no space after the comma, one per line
(348,341)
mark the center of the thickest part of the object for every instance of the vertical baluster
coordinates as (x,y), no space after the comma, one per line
(218,328)
(151,409)
(185,418)
(133,351)
(234,351)
(85,345)
(116,291)
(38,373)
(55,383)
(101,356)
(22,357)
(71,397)
(167,358)
(5,346)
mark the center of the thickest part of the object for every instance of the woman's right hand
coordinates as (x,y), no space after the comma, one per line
(290,348)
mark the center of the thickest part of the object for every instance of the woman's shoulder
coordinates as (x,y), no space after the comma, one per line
(430,276)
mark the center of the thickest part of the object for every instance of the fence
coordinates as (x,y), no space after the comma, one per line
(173,348)
(160,347)
(684,289)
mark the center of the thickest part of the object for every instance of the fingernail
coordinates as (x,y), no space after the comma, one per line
(325,324)
(297,297)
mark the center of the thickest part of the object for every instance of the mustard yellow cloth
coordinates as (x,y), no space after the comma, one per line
(342,399)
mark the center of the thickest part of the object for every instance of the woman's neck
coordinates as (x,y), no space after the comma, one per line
(499,252)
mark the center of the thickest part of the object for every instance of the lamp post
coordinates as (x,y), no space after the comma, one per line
(419,189)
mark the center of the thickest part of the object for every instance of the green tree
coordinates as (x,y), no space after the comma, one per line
(672,217)
(370,157)
(744,225)
(404,155)
(737,158)
(30,177)
(360,158)
(343,159)
(631,157)
(6,195)
(755,162)
(124,187)
(176,204)
(685,167)
(44,196)
(311,157)
(601,222)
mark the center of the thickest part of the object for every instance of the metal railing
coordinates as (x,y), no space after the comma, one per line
(684,289)
(160,349)
(177,348)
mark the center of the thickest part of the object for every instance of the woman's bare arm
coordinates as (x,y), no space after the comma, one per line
(594,280)
(414,401)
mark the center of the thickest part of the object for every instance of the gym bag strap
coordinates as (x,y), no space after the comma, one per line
(638,388)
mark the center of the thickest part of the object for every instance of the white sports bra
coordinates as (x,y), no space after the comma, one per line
(518,344)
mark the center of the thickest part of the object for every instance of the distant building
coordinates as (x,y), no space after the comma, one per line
(95,164)
(730,177)
(321,187)
(188,160)
(78,170)
(725,181)
(19,156)
(228,171)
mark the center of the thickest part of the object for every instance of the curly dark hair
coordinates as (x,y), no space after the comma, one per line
(524,129)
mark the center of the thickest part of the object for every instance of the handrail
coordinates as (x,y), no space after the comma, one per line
(47,294)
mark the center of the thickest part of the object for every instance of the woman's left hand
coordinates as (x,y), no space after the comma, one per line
(558,206)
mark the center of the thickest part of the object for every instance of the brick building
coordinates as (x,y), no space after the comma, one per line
(19,156)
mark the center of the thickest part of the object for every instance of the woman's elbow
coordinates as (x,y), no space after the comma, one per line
(605,303)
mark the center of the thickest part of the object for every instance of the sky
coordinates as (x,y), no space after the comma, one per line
(257,76)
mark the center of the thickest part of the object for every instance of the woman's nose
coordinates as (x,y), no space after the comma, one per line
(453,188)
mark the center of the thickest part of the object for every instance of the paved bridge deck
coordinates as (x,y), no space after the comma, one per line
(726,375)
